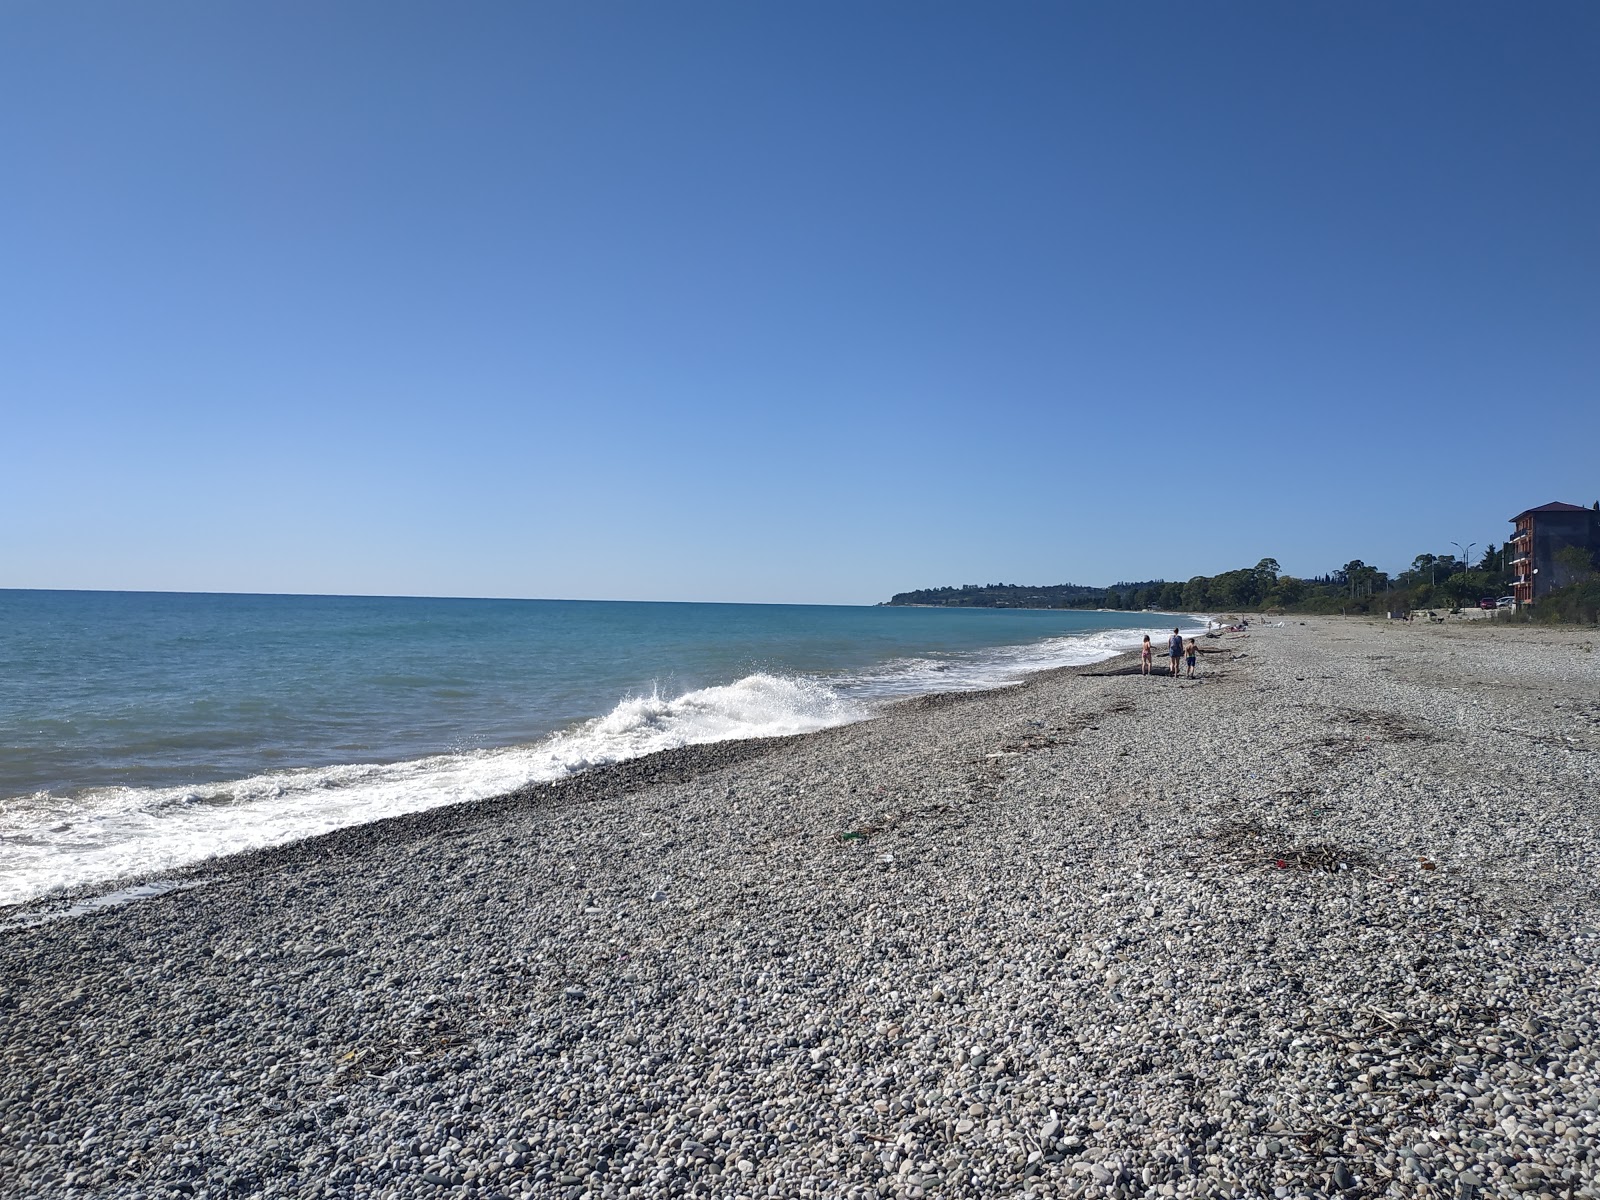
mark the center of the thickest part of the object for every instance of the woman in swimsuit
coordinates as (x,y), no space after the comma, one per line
(1145,655)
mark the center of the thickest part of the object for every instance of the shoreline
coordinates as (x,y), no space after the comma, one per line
(677,764)
(67,894)
(1325,917)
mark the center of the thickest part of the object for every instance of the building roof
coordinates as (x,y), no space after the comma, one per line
(1555,506)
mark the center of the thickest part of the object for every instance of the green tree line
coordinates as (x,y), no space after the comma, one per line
(1432,581)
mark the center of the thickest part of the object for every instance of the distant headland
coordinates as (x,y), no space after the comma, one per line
(1015,595)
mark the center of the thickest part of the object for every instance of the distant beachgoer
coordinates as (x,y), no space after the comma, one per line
(1174,652)
(1189,656)
(1146,655)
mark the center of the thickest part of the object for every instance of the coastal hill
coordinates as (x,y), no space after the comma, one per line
(1014,595)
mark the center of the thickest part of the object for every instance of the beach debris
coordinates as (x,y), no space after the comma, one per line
(891,821)
(1247,842)
(1318,857)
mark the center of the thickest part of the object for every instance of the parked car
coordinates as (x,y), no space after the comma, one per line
(1488,603)
(1506,602)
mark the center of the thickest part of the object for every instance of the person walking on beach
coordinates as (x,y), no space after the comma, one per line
(1189,653)
(1174,652)
(1146,656)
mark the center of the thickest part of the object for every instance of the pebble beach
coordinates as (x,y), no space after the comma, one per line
(1325,920)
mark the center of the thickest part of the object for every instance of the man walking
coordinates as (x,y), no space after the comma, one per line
(1174,652)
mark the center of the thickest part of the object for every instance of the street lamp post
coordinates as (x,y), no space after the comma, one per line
(1466,557)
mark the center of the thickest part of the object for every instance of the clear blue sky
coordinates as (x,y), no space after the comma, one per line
(809,302)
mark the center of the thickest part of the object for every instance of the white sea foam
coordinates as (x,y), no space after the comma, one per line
(53,842)
(50,842)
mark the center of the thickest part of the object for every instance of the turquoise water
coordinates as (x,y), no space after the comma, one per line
(139,731)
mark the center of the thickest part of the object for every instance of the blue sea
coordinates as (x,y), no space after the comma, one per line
(143,731)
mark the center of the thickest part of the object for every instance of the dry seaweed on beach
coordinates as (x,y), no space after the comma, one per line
(1247,843)
(1390,726)
(1333,746)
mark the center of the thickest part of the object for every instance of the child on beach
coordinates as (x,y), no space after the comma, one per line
(1146,656)
(1174,652)
(1189,655)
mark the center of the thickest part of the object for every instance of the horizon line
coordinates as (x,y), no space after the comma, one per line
(431,596)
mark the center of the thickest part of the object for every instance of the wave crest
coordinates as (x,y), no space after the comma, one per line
(54,842)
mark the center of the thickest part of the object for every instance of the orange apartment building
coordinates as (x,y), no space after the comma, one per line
(1541,533)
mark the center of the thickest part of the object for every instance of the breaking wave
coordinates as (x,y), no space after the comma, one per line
(53,841)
